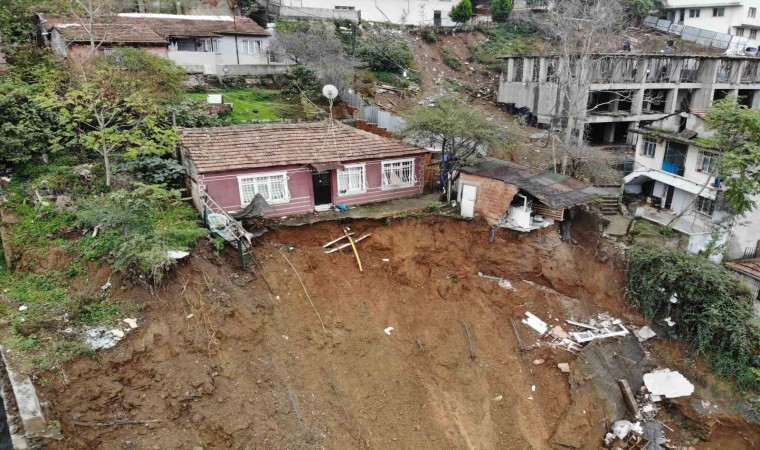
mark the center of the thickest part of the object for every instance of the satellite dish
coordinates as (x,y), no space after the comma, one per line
(330,91)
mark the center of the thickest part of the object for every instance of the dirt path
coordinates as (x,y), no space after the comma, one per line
(221,362)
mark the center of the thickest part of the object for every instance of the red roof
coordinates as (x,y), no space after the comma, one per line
(116,33)
(254,146)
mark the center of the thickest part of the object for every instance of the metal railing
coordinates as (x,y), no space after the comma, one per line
(731,44)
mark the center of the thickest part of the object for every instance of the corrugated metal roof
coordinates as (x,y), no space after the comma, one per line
(553,189)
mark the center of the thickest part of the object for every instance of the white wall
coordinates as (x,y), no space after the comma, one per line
(412,12)
(734,15)
(746,232)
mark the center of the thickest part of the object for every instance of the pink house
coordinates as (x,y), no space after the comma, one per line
(298,168)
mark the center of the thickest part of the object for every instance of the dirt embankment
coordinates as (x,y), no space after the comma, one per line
(220,362)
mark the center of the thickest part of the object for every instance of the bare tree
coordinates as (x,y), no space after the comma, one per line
(97,17)
(318,47)
(579,30)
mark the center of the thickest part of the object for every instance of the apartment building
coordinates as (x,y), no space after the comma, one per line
(624,90)
(738,18)
(410,12)
(673,172)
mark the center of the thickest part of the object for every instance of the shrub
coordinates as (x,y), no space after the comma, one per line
(450,59)
(500,10)
(302,80)
(384,50)
(511,38)
(153,169)
(713,309)
(461,12)
(429,36)
(139,228)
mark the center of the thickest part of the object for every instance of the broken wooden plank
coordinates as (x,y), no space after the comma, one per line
(348,245)
(113,423)
(337,240)
(630,400)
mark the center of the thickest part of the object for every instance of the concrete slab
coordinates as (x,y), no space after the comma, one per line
(618,225)
(664,383)
(29,409)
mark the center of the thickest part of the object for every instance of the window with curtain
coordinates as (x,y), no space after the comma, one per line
(272,186)
(398,174)
(352,180)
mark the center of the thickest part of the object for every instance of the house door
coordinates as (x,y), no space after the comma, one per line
(669,196)
(683,16)
(322,188)
(469,192)
(437,18)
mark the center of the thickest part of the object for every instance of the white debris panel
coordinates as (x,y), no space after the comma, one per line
(668,384)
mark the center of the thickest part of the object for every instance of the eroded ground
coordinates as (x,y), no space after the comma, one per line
(220,362)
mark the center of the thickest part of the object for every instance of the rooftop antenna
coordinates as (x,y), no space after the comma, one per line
(330,92)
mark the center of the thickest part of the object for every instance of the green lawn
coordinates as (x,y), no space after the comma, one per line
(253,104)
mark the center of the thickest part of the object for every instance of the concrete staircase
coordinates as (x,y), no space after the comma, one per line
(608,205)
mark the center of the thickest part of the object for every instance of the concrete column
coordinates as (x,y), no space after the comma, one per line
(510,69)
(670,101)
(637,105)
(609,132)
(641,70)
(755,99)
(542,69)
(527,68)
(613,106)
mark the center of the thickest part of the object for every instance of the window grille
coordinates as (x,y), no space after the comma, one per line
(650,145)
(706,161)
(704,206)
(398,174)
(273,187)
(352,180)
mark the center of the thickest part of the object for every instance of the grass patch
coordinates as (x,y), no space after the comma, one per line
(252,104)
(450,59)
(512,38)
(42,315)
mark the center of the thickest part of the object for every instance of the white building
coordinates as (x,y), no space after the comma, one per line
(672,170)
(735,17)
(411,12)
(209,45)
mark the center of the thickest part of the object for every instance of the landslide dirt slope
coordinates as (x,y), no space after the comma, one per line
(228,376)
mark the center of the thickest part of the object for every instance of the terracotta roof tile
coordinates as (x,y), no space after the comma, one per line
(254,146)
(116,33)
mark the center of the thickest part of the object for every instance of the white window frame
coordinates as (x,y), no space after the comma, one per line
(386,185)
(209,45)
(719,12)
(694,13)
(753,34)
(706,156)
(740,31)
(752,13)
(345,175)
(251,46)
(251,177)
(649,148)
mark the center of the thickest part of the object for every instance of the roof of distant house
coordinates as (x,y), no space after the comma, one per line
(553,189)
(115,33)
(749,267)
(168,25)
(255,146)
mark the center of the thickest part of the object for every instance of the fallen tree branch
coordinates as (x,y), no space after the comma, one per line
(112,423)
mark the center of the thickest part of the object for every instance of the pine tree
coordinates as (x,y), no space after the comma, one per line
(500,10)
(462,12)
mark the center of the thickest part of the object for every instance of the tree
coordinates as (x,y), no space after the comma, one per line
(458,129)
(461,12)
(384,50)
(500,10)
(117,110)
(579,30)
(318,47)
(96,17)
(737,134)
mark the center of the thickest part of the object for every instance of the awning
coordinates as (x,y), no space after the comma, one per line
(641,176)
(324,167)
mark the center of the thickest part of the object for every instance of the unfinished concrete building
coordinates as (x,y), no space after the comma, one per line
(624,90)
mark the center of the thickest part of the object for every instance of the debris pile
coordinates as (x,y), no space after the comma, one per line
(101,338)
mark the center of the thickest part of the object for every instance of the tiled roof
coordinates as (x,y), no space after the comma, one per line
(254,146)
(116,33)
(553,189)
(170,25)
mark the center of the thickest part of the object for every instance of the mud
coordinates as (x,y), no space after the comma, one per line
(220,362)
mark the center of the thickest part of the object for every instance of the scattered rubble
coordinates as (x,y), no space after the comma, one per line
(644,333)
(502,282)
(102,338)
(667,384)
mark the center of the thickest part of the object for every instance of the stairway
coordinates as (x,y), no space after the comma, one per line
(608,205)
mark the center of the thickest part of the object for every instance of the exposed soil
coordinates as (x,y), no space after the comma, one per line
(220,362)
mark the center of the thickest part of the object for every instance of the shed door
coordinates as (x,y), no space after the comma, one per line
(469,192)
